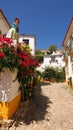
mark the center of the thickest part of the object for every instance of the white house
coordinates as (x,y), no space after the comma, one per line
(29,40)
(68,54)
(53,60)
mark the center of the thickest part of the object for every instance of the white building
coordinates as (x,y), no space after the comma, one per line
(53,60)
(29,40)
(68,55)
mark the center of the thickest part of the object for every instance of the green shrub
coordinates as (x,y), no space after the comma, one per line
(60,76)
(56,74)
(49,73)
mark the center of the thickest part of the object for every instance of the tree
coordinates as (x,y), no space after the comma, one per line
(39,55)
(52,48)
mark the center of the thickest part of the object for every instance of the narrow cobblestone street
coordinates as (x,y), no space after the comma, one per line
(52,109)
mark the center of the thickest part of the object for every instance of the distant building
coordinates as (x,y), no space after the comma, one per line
(53,60)
(42,50)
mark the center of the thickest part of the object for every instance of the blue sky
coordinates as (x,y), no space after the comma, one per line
(47,19)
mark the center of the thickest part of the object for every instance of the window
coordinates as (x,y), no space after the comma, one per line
(53,59)
(26,41)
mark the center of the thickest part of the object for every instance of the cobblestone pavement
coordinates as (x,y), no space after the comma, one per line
(51,109)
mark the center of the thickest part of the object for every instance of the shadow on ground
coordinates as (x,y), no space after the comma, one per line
(45,83)
(35,111)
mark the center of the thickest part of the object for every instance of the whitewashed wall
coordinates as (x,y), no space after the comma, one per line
(8,85)
(46,62)
(69,70)
(32,42)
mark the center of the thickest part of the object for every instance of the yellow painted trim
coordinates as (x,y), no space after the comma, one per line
(7,109)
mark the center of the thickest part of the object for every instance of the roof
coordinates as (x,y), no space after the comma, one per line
(4,17)
(42,50)
(56,53)
(67,31)
(27,35)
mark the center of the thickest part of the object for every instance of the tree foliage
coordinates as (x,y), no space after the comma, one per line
(52,48)
(39,56)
